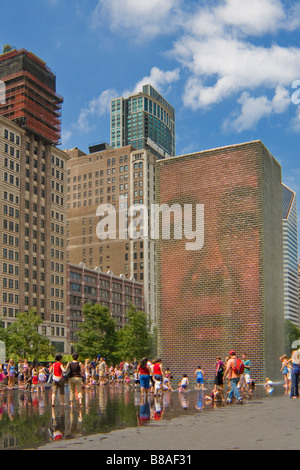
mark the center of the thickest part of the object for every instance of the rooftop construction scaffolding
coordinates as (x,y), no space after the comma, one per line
(30,94)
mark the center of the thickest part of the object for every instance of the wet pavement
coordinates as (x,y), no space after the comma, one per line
(115,417)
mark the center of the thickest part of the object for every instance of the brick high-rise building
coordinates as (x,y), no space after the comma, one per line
(121,179)
(221,289)
(33,202)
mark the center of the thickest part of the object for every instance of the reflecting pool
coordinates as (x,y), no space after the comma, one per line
(28,420)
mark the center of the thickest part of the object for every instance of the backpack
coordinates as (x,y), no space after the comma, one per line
(238,367)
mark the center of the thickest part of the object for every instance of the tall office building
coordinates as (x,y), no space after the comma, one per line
(33,200)
(144,120)
(290,255)
(119,180)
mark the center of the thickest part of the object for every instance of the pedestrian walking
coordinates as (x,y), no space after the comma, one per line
(245,379)
(58,383)
(157,374)
(295,361)
(11,373)
(234,369)
(144,374)
(20,372)
(219,373)
(76,372)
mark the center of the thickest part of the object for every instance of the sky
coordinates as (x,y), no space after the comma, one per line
(230,68)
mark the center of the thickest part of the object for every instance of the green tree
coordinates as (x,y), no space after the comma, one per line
(22,338)
(134,339)
(97,334)
(291,334)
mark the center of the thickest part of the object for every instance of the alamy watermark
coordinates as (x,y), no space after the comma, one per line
(175,222)
(2,92)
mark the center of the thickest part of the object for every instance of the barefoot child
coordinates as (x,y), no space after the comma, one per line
(199,374)
(183,384)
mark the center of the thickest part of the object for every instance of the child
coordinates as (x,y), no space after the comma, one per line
(35,379)
(157,387)
(183,384)
(127,380)
(136,379)
(199,374)
(42,376)
(1,377)
(285,370)
(269,385)
(167,384)
(87,373)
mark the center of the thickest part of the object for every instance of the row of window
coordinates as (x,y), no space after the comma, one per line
(15,139)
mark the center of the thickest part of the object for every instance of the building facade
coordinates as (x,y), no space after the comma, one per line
(118,182)
(225,291)
(33,206)
(33,230)
(290,255)
(144,120)
(95,287)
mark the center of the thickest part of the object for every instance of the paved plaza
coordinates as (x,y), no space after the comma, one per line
(270,423)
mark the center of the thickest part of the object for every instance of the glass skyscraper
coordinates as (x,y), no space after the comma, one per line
(144,120)
(290,255)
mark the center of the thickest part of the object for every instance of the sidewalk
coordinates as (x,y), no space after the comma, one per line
(271,423)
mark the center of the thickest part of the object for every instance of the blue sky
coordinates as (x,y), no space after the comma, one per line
(228,67)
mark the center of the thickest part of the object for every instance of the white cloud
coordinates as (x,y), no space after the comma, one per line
(252,110)
(232,66)
(223,61)
(142,18)
(281,100)
(157,78)
(97,107)
(226,47)
(66,136)
(253,17)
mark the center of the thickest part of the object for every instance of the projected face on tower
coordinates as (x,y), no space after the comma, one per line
(210,297)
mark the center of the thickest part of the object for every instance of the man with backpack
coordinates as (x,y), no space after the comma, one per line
(234,370)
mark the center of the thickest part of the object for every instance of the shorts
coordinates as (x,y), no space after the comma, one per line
(247,378)
(158,377)
(200,380)
(145,381)
(219,379)
(58,386)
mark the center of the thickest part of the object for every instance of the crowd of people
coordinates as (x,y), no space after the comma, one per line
(144,375)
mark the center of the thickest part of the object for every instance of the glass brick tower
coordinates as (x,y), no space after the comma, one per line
(144,120)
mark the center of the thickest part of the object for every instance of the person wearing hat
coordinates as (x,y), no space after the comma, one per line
(234,378)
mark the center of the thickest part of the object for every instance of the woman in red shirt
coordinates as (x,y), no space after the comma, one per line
(58,380)
(144,375)
(158,375)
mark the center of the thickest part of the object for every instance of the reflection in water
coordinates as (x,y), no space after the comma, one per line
(28,420)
